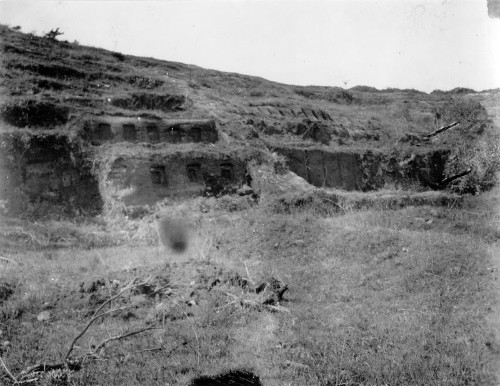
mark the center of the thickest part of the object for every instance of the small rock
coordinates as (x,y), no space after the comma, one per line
(429,222)
(46,306)
(43,316)
(5,344)
(191,303)
(192,283)
(299,243)
(276,245)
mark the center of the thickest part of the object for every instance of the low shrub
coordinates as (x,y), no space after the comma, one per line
(474,144)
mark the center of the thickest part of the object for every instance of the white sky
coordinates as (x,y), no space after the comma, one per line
(422,44)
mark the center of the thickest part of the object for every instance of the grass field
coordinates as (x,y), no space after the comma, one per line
(376,297)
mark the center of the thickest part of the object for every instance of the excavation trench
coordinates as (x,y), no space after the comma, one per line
(368,170)
(47,174)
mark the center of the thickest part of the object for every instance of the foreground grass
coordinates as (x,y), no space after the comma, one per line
(376,297)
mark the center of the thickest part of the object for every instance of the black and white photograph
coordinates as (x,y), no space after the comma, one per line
(250,192)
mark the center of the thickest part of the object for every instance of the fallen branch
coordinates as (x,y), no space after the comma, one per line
(119,337)
(43,367)
(76,364)
(441,185)
(7,370)
(446,181)
(192,326)
(97,315)
(9,260)
(440,130)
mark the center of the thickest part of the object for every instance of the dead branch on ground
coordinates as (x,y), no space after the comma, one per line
(30,373)
(9,260)
(446,181)
(440,130)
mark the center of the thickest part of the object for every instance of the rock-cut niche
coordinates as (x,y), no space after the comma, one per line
(226,171)
(194,173)
(196,134)
(153,133)
(103,132)
(157,173)
(129,132)
(176,134)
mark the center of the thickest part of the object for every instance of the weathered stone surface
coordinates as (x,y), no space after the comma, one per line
(351,170)
(144,180)
(324,168)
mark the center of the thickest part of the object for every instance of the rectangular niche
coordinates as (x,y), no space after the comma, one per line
(153,133)
(226,171)
(67,179)
(194,173)
(129,132)
(196,134)
(157,173)
(118,170)
(175,134)
(103,132)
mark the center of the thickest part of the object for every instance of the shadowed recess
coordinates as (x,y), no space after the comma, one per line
(232,378)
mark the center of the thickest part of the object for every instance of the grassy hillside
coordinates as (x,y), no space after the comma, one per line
(39,74)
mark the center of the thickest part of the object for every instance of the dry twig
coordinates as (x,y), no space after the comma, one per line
(97,315)
(7,370)
(9,260)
